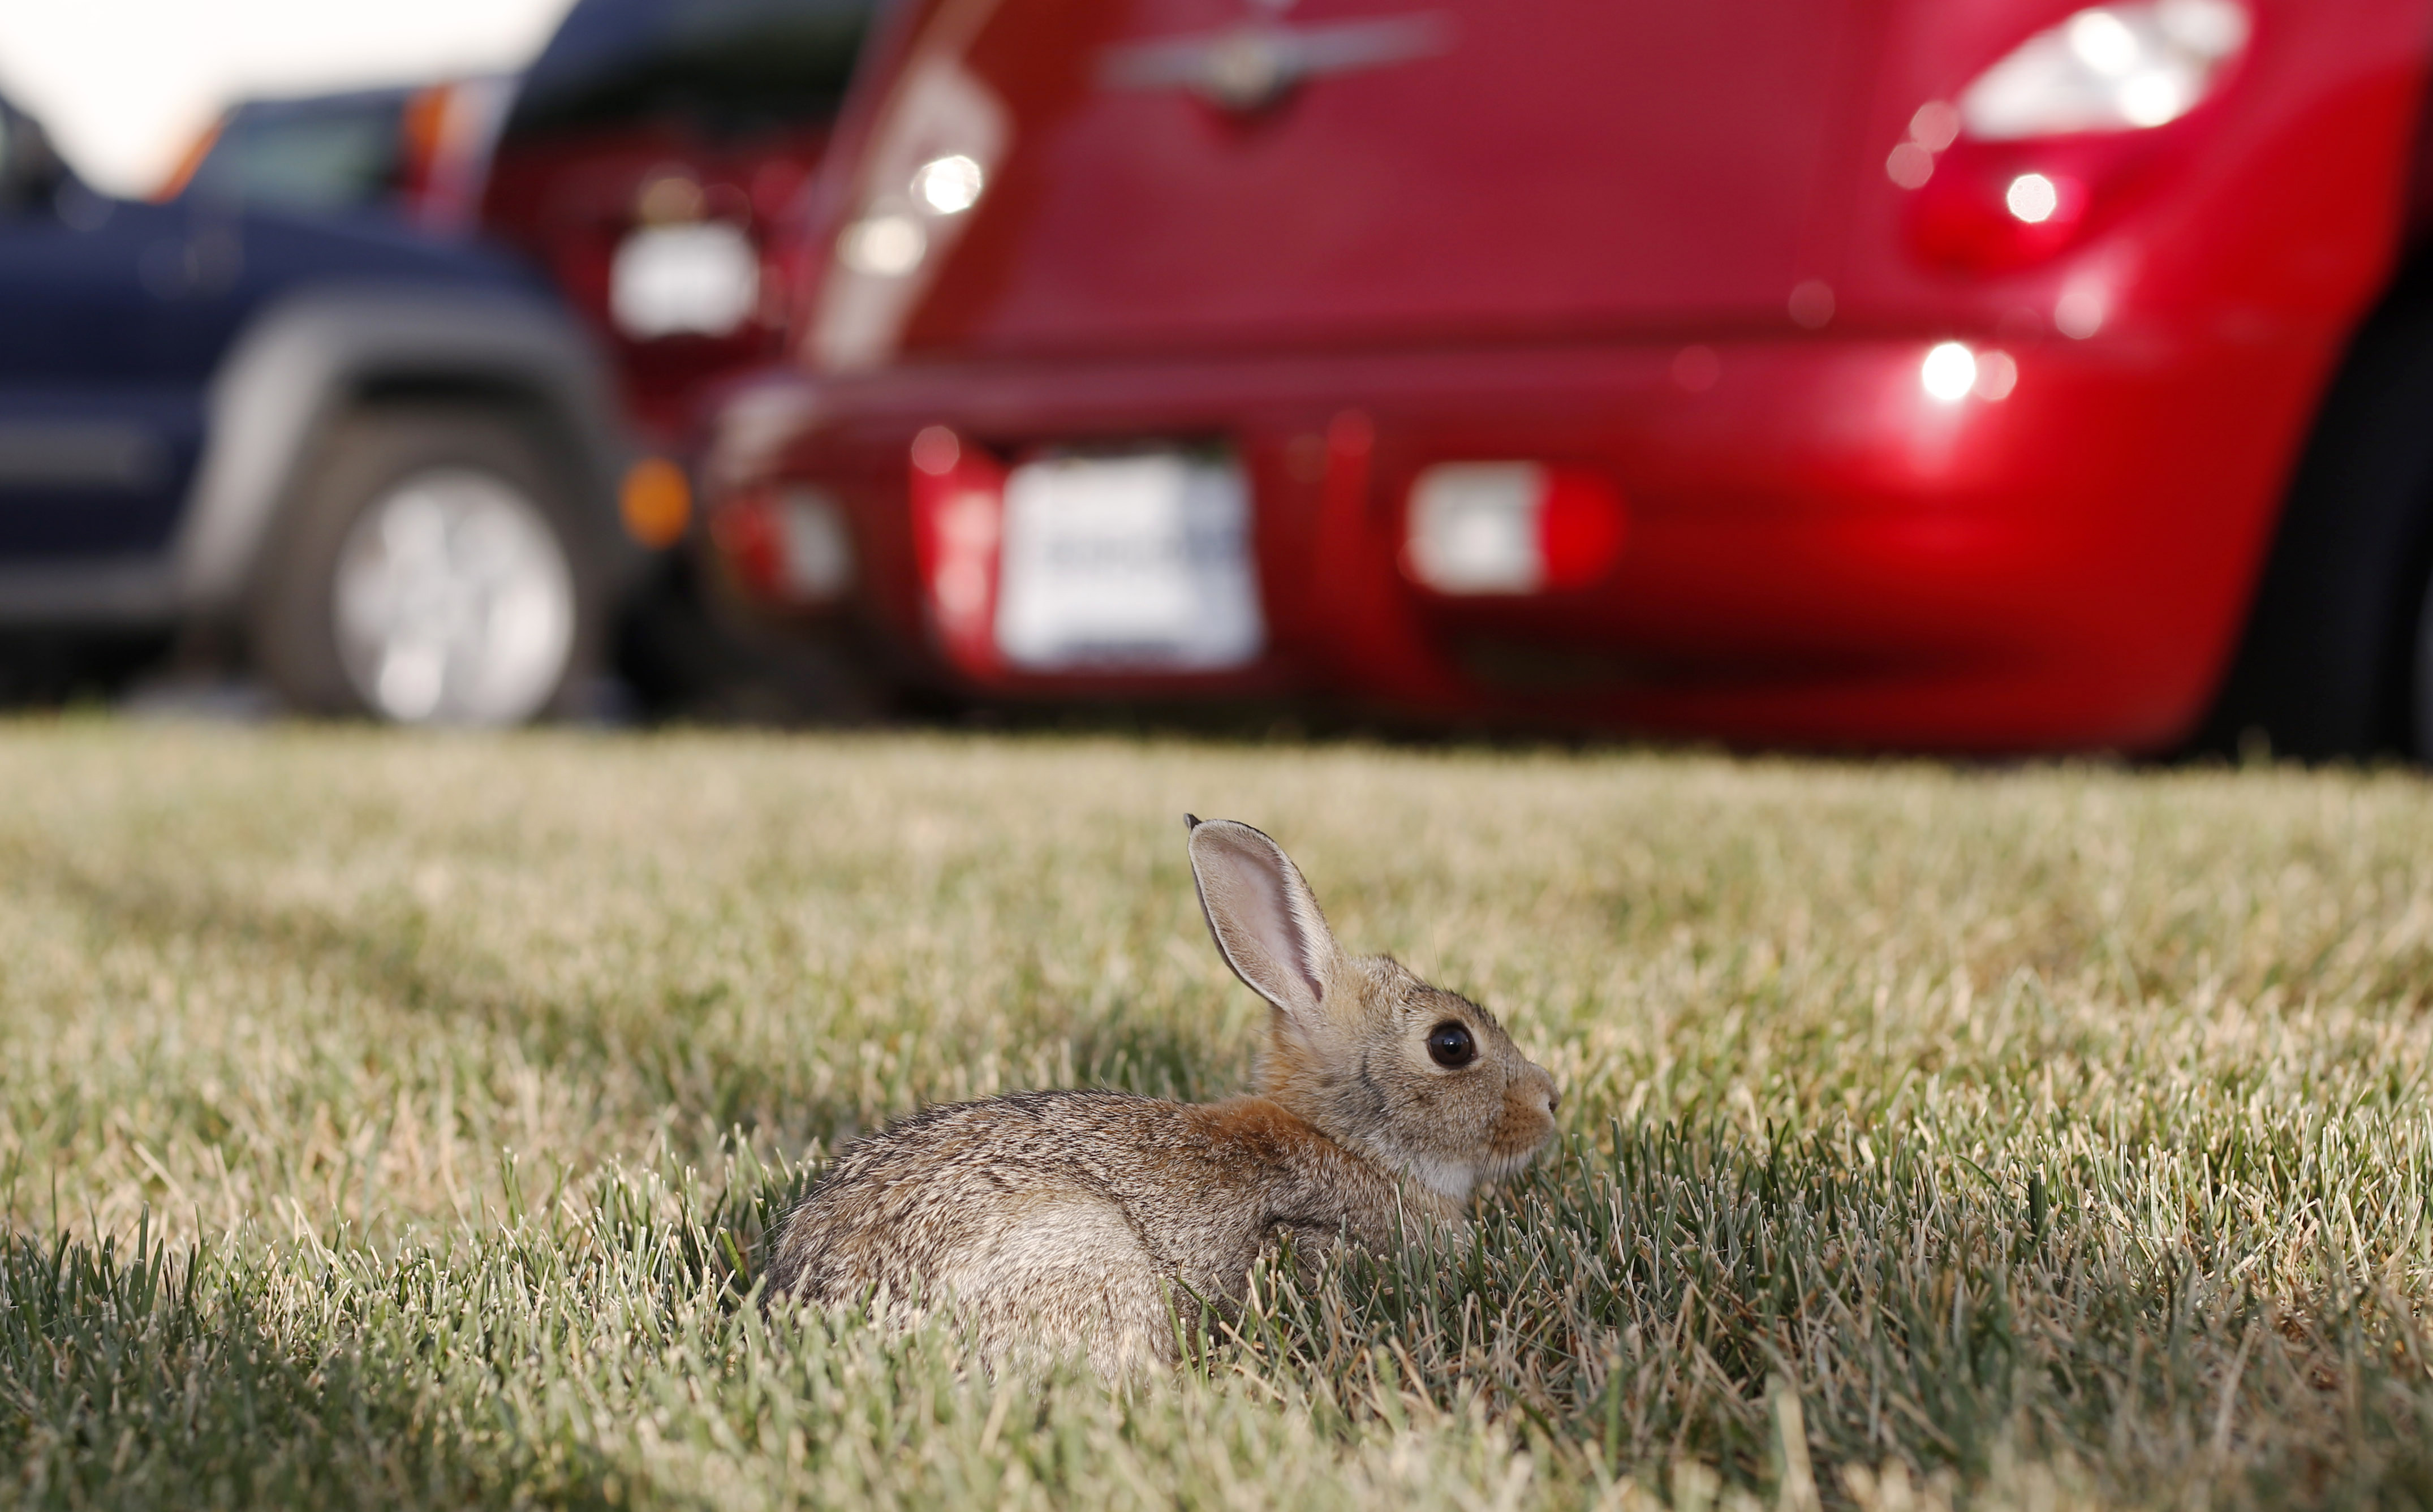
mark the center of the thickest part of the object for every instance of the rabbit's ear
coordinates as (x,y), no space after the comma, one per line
(1267,923)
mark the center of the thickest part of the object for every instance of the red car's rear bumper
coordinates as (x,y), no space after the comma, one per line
(1818,550)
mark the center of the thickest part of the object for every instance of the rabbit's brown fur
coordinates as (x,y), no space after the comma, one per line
(1057,1221)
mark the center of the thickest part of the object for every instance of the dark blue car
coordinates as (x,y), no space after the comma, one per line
(379,469)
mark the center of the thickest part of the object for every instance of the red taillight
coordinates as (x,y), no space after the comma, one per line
(2047,143)
(958,496)
(1512,527)
(1995,206)
(1581,526)
(788,546)
(1989,210)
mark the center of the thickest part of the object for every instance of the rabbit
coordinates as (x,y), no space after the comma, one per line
(1054,1223)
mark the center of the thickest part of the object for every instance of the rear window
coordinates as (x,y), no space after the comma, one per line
(338,152)
(723,67)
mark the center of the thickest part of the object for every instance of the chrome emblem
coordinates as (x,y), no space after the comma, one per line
(1253,66)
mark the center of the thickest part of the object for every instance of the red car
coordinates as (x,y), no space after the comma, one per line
(651,159)
(651,149)
(2005,376)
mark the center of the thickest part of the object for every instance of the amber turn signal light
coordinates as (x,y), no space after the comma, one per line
(656,502)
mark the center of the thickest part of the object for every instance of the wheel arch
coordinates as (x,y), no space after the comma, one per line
(2323,659)
(323,351)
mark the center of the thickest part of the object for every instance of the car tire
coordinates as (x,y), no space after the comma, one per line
(430,568)
(2337,658)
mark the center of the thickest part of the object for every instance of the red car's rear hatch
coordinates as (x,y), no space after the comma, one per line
(1122,176)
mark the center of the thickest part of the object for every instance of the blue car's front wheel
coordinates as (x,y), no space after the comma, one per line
(427,576)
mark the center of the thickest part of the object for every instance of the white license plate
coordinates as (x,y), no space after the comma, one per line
(703,277)
(1128,563)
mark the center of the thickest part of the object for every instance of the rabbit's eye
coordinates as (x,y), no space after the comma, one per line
(1451,1047)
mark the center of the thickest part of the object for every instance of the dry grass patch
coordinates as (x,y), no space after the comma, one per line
(391,1120)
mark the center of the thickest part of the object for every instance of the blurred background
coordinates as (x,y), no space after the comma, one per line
(2020,377)
(127,86)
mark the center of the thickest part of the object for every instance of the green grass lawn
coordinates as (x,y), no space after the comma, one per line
(395,1120)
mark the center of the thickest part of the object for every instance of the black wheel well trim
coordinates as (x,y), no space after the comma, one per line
(327,352)
(2345,495)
